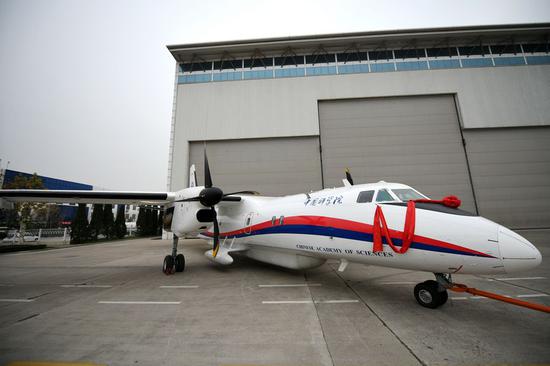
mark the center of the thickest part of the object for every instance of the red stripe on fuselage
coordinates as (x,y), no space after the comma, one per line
(343,224)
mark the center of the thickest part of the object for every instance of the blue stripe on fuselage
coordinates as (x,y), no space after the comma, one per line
(347,234)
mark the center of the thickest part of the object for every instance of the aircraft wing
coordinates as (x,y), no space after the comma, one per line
(74,196)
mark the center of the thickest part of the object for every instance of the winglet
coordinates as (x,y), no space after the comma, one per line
(192,176)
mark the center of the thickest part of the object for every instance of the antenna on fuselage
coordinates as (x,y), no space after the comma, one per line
(348,182)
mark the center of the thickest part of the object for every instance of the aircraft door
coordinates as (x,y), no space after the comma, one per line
(248,223)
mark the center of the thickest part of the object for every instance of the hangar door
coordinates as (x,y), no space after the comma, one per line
(413,140)
(511,174)
(271,166)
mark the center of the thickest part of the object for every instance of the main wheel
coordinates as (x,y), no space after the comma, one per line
(180,263)
(168,265)
(428,295)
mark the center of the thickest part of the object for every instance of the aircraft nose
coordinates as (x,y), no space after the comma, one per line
(518,254)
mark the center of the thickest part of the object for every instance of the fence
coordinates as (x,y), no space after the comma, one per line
(38,236)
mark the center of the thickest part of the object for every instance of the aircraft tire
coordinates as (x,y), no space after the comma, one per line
(180,263)
(168,265)
(428,295)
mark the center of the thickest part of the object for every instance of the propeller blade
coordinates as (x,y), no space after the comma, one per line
(242,192)
(348,176)
(189,199)
(207,176)
(216,246)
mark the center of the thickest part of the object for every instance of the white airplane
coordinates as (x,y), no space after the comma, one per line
(375,224)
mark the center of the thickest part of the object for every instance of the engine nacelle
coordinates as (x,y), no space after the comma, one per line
(184,215)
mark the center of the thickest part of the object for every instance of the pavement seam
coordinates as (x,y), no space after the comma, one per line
(516,285)
(379,318)
(319,320)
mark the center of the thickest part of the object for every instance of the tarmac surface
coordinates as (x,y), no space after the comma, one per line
(110,304)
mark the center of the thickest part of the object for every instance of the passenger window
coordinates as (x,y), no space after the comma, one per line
(365,196)
(384,195)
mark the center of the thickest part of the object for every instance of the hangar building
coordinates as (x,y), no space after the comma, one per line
(462,111)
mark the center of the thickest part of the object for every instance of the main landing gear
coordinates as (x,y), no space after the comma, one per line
(175,262)
(432,294)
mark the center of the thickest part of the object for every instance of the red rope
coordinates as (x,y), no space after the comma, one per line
(449,201)
(380,227)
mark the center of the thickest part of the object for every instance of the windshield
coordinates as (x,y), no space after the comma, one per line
(407,194)
(384,196)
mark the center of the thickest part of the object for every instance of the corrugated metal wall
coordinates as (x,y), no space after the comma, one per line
(511,174)
(414,140)
(411,140)
(272,166)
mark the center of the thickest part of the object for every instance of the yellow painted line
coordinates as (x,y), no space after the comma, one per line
(38,363)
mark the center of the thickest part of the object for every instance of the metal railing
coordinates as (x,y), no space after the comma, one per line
(37,236)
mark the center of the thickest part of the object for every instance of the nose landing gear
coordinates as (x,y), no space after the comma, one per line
(175,262)
(432,294)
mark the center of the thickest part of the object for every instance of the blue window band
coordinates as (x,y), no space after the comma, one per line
(538,60)
(476,62)
(382,67)
(258,74)
(227,76)
(412,65)
(444,64)
(353,69)
(321,70)
(342,68)
(290,72)
(509,61)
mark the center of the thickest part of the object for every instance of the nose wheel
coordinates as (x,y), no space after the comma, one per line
(175,262)
(430,294)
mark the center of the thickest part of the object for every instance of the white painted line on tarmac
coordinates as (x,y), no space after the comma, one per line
(533,295)
(459,298)
(141,302)
(478,297)
(398,283)
(180,286)
(293,285)
(519,278)
(310,302)
(16,300)
(86,286)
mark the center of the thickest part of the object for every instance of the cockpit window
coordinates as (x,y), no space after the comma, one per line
(407,194)
(383,195)
(365,196)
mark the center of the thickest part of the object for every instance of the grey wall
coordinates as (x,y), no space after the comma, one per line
(487,97)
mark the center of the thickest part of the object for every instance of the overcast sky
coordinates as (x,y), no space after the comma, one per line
(86,87)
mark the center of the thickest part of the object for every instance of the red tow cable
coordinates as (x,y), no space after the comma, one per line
(381,227)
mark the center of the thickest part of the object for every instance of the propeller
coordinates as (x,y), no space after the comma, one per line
(210,196)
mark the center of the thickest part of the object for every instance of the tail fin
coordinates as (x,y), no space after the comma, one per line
(192,176)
